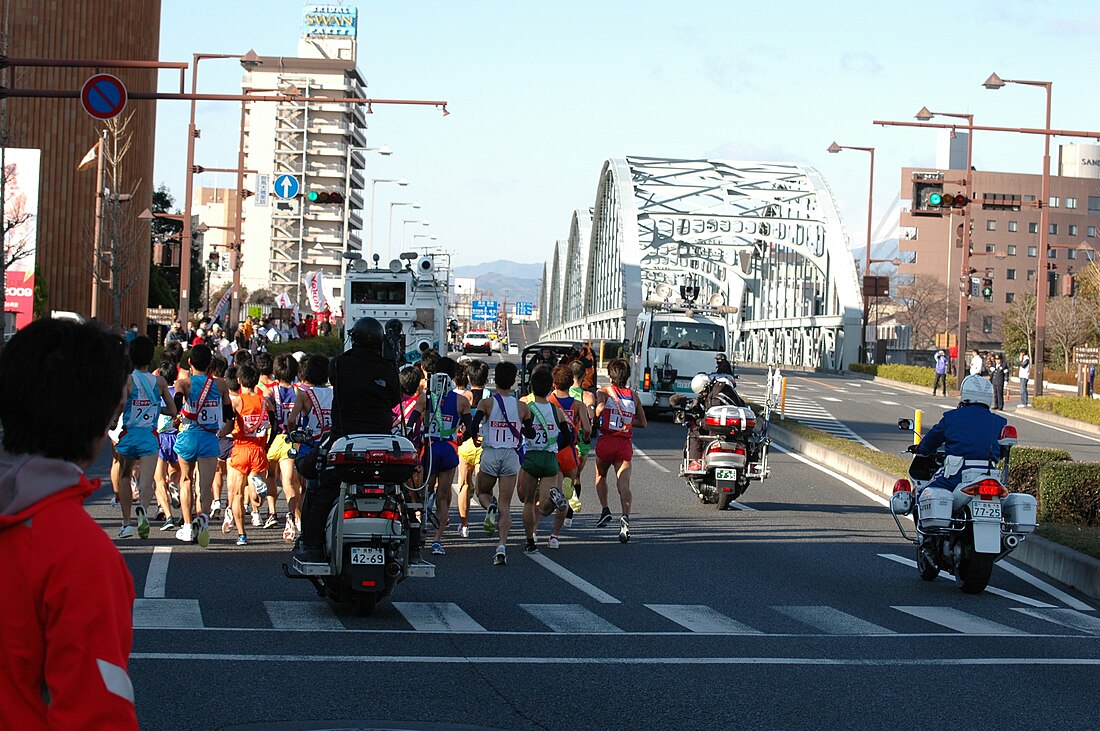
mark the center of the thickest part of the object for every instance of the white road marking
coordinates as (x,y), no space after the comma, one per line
(1055,428)
(316,616)
(652,461)
(167,614)
(1065,617)
(702,619)
(570,619)
(960,621)
(991,589)
(527,660)
(156,578)
(833,621)
(889,403)
(830,398)
(437,617)
(850,483)
(742,506)
(1038,583)
(566,575)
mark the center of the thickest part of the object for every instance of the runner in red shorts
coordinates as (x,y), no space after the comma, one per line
(617,416)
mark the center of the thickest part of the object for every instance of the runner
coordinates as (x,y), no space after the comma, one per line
(204,401)
(222,370)
(137,442)
(469,453)
(588,400)
(407,422)
(617,416)
(545,430)
(313,405)
(167,474)
(501,446)
(281,395)
(444,414)
(248,462)
(568,457)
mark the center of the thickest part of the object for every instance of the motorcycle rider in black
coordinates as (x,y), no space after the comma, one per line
(711,391)
(365,389)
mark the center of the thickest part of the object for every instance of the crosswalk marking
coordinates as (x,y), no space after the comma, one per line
(570,619)
(989,589)
(960,621)
(1066,617)
(303,615)
(167,614)
(437,617)
(833,621)
(701,618)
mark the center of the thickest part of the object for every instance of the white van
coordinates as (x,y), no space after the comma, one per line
(670,346)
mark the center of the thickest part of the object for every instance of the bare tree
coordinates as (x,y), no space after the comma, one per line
(1018,324)
(924,308)
(1065,327)
(1088,293)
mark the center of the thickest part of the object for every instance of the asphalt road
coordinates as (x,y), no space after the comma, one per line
(799,612)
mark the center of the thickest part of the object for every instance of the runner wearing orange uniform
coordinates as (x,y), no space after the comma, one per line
(248,461)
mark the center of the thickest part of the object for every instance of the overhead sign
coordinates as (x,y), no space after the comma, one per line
(320,19)
(525,309)
(103,96)
(263,187)
(484,310)
(286,186)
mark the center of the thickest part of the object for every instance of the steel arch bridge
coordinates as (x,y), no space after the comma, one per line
(765,237)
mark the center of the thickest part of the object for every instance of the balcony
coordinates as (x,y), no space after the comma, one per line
(337,149)
(326,171)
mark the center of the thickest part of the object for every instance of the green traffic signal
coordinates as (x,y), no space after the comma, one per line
(312,196)
(934,199)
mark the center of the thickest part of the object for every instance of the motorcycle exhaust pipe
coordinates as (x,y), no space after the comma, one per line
(393,570)
(1011,542)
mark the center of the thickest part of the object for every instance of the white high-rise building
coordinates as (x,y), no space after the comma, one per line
(282,240)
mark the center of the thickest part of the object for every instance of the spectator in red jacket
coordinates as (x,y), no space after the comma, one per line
(65,630)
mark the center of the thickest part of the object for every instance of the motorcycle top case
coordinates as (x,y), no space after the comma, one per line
(1019,512)
(934,506)
(729,421)
(373,458)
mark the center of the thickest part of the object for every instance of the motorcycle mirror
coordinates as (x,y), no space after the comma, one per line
(905,424)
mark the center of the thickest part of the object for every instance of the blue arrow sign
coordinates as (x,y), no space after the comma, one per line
(524,309)
(286,186)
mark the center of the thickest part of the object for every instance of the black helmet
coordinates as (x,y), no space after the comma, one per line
(367,332)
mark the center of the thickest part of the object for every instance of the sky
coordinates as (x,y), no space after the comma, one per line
(541,94)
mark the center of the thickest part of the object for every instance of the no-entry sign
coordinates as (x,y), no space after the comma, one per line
(103,96)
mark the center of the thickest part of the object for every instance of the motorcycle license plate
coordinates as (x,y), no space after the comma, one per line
(985,509)
(368,556)
(725,474)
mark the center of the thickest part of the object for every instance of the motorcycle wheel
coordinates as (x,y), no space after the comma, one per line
(973,572)
(927,570)
(724,500)
(364,603)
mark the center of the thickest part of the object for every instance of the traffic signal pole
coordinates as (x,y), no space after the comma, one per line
(964,297)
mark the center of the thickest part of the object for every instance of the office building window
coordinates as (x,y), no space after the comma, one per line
(1010,297)
(1031,275)
(987,324)
(1054,201)
(1012,226)
(1071,202)
(1094,205)
(1091,231)
(990,225)
(1052,228)
(1033,251)
(990,248)
(1029,199)
(1052,253)
(1012,249)
(1033,227)
(1010,274)
(1071,253)
(1073,229)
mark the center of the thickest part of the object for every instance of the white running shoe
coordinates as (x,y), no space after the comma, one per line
(259,485)
(228,525)
(115,503)
(186,534)
(464,531)
(288,531)
(215,509)
(256,522)
(203,536)
(174,494)
(126,531)
(554,543)
(142,521)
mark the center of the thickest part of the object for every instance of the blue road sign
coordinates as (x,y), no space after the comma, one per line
(525,309)
(286,186)
(484,310)
(103,96)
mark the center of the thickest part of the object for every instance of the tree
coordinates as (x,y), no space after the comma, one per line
(924,309)
(1088,293)
(1018,325)
(1065,327)
(262,297)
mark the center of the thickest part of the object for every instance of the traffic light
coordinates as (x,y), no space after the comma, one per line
(987,288)
(324,196)
(938,201)
(212,261)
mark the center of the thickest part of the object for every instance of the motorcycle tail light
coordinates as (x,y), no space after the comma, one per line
(986,489)
(368,584)
(351,513)
(389,515)
(903,486)
(739,450)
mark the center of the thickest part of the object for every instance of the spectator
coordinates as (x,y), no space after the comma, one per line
(977,363)
(1025,376)
(175,334)
(200,338)
(1092,379)
(131,333)
(941,372)
(67,631)
(998,375)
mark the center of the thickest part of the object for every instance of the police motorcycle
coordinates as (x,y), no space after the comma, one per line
(966,530)
(733,442)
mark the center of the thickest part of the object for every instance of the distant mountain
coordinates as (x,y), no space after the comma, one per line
(501,267)
(521,281)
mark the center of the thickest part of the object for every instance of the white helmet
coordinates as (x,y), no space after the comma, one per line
(299,355)
(976,390)
(699,382)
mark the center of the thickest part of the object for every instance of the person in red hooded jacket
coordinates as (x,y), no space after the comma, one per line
(66,627)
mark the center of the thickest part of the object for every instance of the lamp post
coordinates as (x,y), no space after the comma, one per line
(383,150)
(389,237)
(374,182)
(834,148)
(407,221)
(996,82)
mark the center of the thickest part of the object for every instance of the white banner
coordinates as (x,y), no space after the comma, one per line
(283,300)
(315,290)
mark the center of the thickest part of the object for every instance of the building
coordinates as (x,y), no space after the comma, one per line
(284,239)
(1005,235)
(84,29)
(215,208)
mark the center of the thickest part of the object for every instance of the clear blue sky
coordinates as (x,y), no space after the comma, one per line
(542,93)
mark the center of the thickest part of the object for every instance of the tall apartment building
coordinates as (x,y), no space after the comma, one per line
(217,209)
(282,240)
(1005,234)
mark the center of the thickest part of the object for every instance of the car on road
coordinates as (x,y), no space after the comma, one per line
(477,343)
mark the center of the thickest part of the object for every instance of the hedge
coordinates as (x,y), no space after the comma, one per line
(1072,407)
(917,375)
(1070,493)
(1025,464)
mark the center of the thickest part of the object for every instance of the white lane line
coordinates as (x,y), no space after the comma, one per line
(568,576)
(652,461)
(830,398)
(527,660)
(156,578)
(960,621)
(437,617)
(742,506)
(701,618)
(835,475)
(1055,428)
(167,614)
(315,616)
(991,589)
(570,619)
(833,621)
(889,403)
(1054,591)
(1065,617)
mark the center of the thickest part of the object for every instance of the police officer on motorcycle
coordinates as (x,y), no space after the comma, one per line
(365,389)
(710,391)
(969,433)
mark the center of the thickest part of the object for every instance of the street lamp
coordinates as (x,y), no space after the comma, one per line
(375,181)
(996,82)
(426,223)
(383,150)
(835,148)
(389,237)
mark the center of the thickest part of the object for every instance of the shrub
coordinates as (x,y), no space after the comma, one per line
(1060,377)
(1072,407)
(1070,493)
(330,346)
(863,368)
(1025,464)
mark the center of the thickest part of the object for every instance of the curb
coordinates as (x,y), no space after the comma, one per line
(1056,420)
(1062,564)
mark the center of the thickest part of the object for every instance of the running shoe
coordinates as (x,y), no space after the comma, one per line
(624,529)
(256,520)
(288,531)
(169,523)
(575,501)
(568,523)
(259,484)
(530,546)
(174,494)
(500,558)
(228,525)
(437,549)
(272,521)
(160,516)
(554,542)
(126,531)
(605,518)
(143,522)
(567,487)
(115,503)
(491,519)
(558,498)
(186,533)
(242,540)
(215,509)
(464,531)
(203,532)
